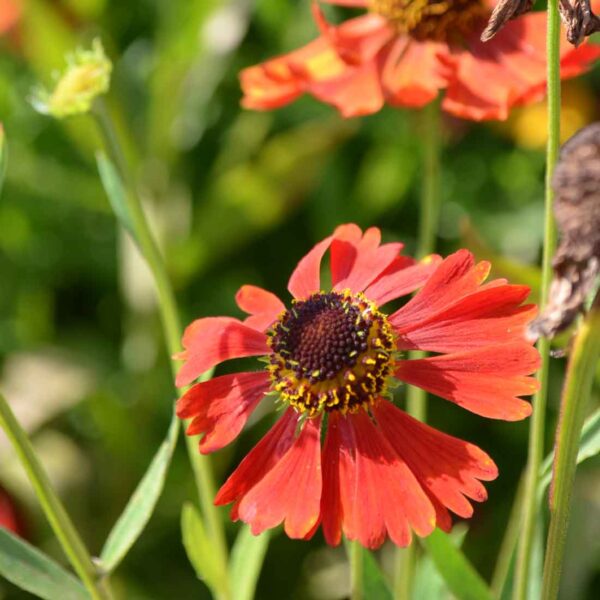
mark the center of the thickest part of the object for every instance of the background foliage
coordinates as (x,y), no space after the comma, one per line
(238,197)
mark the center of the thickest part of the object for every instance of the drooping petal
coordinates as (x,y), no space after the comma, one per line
(221,406)
(263,306)
(488,316)
(486,381)
(449,468)
(403,276)
(510,70)
(291,491)
(385,495)
(338,477)
(306,278)
(413,73)
(356,262)
(212,340)
(455,277)
(259,461)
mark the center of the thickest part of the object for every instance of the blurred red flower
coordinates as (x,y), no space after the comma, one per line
(332,359)
(10,517)
(10,12)
(403,52)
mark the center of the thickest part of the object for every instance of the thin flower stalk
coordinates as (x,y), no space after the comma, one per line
(576,394)
(537,427)
(201,465)
(53,508)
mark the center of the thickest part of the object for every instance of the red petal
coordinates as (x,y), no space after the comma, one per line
(386,495)
(449,468)
(259,461)
(338,477)
(264,306)
(412,72)
(454,278)
(306,278)
(356,262)
(291,490)
(509,70)
(221,406)
(490,316)
(485,381)
(402,277)
(212,340)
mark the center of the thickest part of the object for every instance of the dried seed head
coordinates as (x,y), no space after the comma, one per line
(504,11)
(578,19)
(576,263)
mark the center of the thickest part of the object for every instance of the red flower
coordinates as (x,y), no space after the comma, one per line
(10,517)
(332,358)
(403,52)
(10,13)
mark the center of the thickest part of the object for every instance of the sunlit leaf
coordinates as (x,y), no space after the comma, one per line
(247,556)
(198,547)
(459,574)
(34,572)
(141,505)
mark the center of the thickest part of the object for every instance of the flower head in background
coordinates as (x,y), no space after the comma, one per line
(87,76)
(404,52)
(332,359)
(10,13)
(10,517)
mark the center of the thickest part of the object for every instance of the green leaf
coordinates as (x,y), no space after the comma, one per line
(458,573)
(374,582)
(198,547)
(34,572)
(589,446)
(141,505)
(247,556)
(115,190)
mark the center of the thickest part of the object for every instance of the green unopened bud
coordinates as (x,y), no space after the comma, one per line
(87,76)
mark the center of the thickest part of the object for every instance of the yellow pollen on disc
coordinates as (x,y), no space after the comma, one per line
(332,351)
(437,20)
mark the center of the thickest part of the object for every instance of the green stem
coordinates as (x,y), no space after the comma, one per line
(416,398)
(55,512)
(576,394)
(201,465)
(356,571)
(537,426)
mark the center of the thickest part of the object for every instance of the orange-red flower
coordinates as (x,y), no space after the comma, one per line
(10,518)
(332,358)
(403,52)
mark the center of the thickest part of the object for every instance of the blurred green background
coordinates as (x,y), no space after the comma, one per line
(237,197)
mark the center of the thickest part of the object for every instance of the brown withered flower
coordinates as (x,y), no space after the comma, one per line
(577,16)
(576,264)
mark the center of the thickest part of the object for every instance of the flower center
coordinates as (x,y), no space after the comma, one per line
(331,352)
(438,20)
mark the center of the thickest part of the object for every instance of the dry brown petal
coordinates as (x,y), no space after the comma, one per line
(576,264)
(504,11)
(578,19)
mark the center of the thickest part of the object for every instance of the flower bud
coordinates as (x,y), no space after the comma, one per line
(87,76)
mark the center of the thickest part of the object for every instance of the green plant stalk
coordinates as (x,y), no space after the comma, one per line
(201,465)
(537,427)
(356,570)
(576,394)
(55,512)
(416,398)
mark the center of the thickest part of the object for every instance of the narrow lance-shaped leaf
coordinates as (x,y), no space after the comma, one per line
(458,573)
(247,557)
(140,507)
(199,548)
(115,190)
(34,572)
(3,157)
